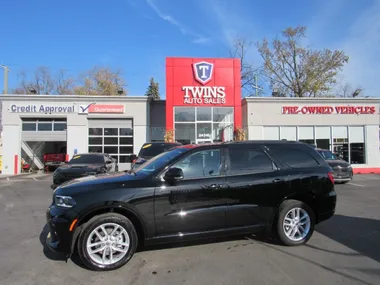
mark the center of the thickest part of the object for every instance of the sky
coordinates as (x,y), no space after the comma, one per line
(137,35)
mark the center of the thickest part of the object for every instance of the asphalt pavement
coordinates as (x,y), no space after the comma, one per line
(343,250)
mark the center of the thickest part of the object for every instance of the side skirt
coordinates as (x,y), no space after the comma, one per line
(180,237)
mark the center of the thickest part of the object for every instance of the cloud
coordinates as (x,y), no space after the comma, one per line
(198,39)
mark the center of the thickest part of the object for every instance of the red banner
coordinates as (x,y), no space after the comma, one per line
(327,110)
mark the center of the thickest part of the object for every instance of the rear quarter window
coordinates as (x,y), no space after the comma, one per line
(295,158)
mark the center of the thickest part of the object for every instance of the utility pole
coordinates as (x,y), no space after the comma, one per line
(6,69)
(256,86)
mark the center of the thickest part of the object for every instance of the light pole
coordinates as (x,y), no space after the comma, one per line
(6,70)
(256,86)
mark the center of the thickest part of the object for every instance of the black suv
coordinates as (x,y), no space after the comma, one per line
(193,191)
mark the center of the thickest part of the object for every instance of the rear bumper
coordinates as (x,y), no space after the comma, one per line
(340,176)
(326,206)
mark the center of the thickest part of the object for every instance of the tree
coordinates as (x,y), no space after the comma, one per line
(101,81)
(96,81)
(300,71)
(346,90)
(240,48)
(153,90)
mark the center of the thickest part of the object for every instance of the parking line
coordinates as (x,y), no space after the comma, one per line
(353,184)
(35,179)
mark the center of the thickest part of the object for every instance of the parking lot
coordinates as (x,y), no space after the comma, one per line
(343,250)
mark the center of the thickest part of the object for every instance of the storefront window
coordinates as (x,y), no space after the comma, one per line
(340,141)
(306,135)
(185,133)
(184,114)
(322,137)
(204,114)
(43,124)
(357,146)
(271,133)
(203,124)
(288,133)
(223,132)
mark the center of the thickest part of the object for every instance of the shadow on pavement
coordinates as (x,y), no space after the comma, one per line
(359,234)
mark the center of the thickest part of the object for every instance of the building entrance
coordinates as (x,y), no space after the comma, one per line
(203,124)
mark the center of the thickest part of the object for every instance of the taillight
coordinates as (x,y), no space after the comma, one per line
(45,157)
(331,177)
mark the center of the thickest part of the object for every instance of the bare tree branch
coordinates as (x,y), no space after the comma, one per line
(300,71)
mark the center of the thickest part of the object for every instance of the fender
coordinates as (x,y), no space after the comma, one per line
(116,207)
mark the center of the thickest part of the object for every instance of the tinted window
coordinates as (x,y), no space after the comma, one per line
(159,161)
(201,164)
(249,161)
(295,158)
(151,150)
(328,155)
(86,159)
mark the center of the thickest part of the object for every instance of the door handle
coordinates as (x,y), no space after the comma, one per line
(278,180)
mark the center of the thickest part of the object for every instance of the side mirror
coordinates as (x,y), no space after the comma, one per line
(173,174)
(108,161)
(133,157)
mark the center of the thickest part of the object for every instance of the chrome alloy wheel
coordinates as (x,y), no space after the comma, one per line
(108,243)
(296,224)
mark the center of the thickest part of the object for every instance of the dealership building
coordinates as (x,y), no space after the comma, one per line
(203,104)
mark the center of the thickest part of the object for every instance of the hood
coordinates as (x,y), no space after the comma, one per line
(335,163)
(79,167)
(99,179)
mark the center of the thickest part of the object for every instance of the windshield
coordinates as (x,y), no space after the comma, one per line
(151,150)
(328,155)
(159,161)
(87,159)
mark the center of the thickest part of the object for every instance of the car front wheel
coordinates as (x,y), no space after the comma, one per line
(295,223)
(107,242)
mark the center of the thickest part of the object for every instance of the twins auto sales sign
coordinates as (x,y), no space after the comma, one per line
(202,82)
(328,110)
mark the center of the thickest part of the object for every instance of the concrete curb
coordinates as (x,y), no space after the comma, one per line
(367,170)
(16,175)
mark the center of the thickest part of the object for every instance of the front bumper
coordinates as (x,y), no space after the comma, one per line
(59,236)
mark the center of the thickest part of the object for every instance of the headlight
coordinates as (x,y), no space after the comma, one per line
(64,201)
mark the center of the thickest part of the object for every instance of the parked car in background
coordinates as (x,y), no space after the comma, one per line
(342,170)
(193,191)
(54,160)
(150,150)
(83,165)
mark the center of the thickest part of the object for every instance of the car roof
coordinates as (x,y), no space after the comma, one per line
(167,143)
(247,142)
(90,153)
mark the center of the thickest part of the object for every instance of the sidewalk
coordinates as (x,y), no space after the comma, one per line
(5,176)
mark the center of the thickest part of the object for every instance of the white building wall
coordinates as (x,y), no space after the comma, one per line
(135,108)
(261,116)
(11,147)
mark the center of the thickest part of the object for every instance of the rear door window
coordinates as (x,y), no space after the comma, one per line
(295,158)
(251,160)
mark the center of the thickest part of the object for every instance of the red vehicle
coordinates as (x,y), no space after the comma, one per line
(53,160)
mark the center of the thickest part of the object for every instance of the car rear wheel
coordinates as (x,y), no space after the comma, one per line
(295,222)
(107,242)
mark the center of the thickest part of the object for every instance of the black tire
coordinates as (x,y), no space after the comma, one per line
(92,224)
(284,209)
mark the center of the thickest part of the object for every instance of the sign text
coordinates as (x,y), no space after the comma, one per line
(323,110)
